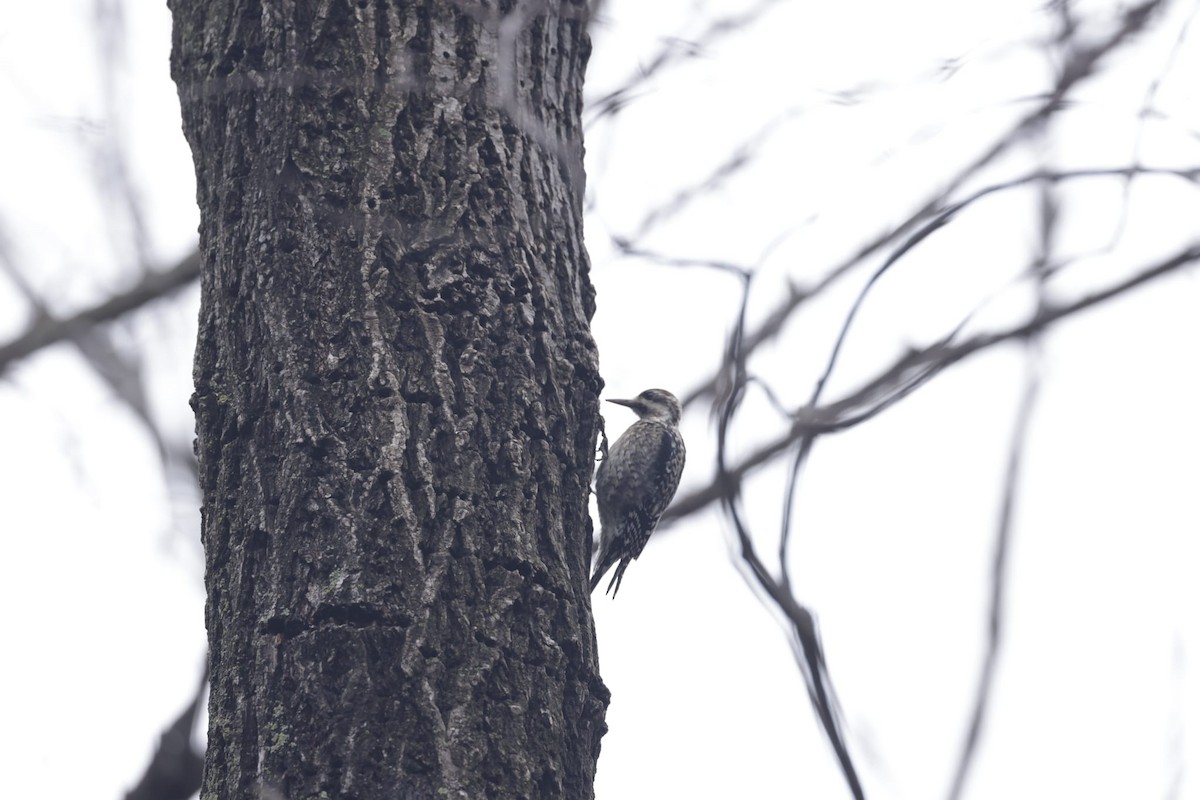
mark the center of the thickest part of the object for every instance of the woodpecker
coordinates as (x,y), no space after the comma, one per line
(636,481)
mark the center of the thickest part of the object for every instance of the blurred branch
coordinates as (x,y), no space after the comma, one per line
(1081,64)
(717,178)
(1050,216)
(48,330)
(176,768)
(909,372)
(673,50)
(999,578)
(804,639)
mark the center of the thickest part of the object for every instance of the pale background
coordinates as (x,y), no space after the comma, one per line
(867,108)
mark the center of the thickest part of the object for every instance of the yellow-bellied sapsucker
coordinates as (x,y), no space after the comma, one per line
(636,481)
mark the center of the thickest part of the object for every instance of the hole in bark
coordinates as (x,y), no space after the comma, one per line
(359,462)
(282,625)
(548,784)
(322,447)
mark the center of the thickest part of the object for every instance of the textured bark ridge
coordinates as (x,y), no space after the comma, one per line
(396,395)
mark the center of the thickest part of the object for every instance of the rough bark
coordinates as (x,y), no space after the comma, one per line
(396,396)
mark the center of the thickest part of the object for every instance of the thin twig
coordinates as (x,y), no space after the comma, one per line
(1000,563)
(1080,66)
(860,406)
(806,642)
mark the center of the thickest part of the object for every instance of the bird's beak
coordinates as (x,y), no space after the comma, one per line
(627,403)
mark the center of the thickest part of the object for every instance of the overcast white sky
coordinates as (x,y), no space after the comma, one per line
(1096,694)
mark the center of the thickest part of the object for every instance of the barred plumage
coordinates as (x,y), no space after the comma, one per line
(636,482)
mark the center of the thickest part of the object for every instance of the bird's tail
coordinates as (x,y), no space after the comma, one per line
(604,559)
(614,585)
(601,568)
(615,582)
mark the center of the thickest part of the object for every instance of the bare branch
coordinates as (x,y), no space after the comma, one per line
(1080,66)
(909,372)
(1050,217)
(738,160)
(672,51)
(805,640)
(49,330)
(175,769)
(999,579)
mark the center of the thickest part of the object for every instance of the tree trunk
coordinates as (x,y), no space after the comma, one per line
(396,396)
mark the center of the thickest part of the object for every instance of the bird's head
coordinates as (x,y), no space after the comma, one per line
(654,404)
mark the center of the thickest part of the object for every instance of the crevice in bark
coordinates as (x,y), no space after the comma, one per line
(396,398)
